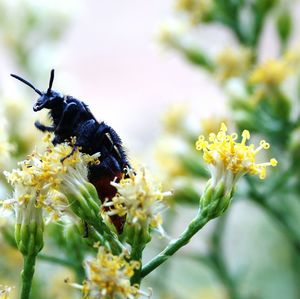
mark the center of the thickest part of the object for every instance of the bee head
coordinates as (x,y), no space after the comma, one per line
(47,99)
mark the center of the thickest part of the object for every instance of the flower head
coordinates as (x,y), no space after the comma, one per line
(44,177)
(174,119)
(199,10)
(271,73)
(168,153)
(233,62)
(139,197)
(229,159)
(108,277)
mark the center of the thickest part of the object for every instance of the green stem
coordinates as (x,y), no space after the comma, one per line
(27,275)
(115,245)
(162,285)
(136,255)
(196,224)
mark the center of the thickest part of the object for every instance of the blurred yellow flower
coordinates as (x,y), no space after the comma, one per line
(168,153)
(292,58)
(270,73)
(228,159)
(6,148)
(139,197)
(175,117)
(20,126)
(197,9)
(233,63)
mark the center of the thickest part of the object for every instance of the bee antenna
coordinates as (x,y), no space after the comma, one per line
(27,83)
(51,81)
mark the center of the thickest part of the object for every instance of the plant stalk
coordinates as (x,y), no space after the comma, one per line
(136,255)
(196,224)
(27,275)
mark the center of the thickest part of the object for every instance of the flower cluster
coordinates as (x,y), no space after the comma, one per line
(175,117)
(270,73)
(198,10)
(233,62)
(139,197)
(42,177)
(228,159)
(108,277)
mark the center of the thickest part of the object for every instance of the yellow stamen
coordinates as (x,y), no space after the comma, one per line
(140,197)
(227,154)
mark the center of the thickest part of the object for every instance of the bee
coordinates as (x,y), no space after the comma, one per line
(72,118)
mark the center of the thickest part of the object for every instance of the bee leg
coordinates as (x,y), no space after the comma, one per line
(71,153)
(44,128)
(68,117)
(108,166)
(57,140)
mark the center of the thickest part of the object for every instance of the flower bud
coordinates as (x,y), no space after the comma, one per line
(29,228)
(215,200)
(85,203)
(263,6)
(284,25)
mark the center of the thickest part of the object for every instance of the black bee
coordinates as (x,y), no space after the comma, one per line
(72,118)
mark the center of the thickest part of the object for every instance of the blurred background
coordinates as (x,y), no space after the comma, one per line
(159,74)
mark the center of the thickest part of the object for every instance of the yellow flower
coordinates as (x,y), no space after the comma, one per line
(139,197)
(229,159)
(197,9)
(43,176)
(175,117)
(168,153)
(108,277)
(185,4)
(4,292)
(270,73)
(233,63)
(292,58)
